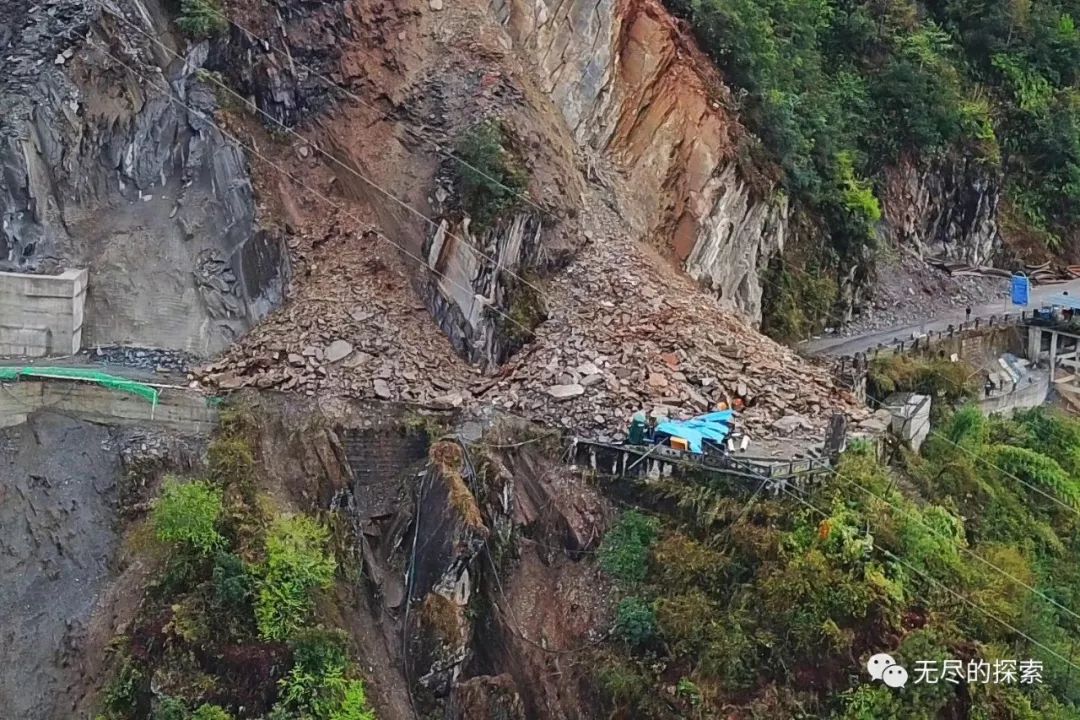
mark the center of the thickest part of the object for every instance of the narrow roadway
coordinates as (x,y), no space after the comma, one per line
(837,345)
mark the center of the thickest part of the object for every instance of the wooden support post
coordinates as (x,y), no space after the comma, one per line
(1053,354)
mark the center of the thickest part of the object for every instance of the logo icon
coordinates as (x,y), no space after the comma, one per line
(883,667)
(894,676)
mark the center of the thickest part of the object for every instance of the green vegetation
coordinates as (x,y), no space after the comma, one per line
(186,516)
(625,550)
(772,610)
(296,564)
(200,19)
(798,303)
(839,89)
(490,180)
(229,627)
(941,379)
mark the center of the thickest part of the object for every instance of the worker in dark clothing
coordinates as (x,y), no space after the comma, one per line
(967,314)
(988,386)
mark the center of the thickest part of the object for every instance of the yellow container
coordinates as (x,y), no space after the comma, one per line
(680,444)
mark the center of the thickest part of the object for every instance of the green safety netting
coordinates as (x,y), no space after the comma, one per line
(11,374)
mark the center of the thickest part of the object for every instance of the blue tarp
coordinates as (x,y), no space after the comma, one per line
(713,426)
(1021,289)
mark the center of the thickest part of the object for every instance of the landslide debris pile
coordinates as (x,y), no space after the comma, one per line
(625,332)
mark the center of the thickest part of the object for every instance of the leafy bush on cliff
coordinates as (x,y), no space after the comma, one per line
(625,549)
(231,623)
(490,179)
(186,515)
(296,564)
(200,19)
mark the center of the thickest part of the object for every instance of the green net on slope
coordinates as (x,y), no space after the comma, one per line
(12,374)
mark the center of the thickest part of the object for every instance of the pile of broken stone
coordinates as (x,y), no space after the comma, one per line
(623,335)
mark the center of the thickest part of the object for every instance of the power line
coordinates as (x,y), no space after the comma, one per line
(317,147)
(1003,471)
(941,536)
(509,614)
(937,434)
(967,550)
(403,204)
(946,588)
(370,228)
(266,43)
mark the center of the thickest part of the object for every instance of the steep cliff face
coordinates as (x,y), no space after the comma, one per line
(406,83)
(631,83)
(946,207)
(100,169)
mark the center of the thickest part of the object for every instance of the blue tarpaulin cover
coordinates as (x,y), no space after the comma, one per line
(712,426)
(1021,289)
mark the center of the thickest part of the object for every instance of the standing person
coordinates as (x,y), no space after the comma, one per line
(967,314)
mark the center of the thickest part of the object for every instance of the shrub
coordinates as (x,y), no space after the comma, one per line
(635,621)
(233,584)
(297,563)
(316,682)
(680,561)
(171,709)
(210,712)
(490,178)
(624,552)
(354,706)
(953,382)
(621,683)
(201,18)
(231,460)
(317,686)
(1037,469)
(186,515)
(796,304)
(122,695)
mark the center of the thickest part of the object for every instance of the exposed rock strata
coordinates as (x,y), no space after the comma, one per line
(632,84)
(100,169)
(946,208)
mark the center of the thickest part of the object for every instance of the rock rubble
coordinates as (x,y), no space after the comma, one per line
(626,332)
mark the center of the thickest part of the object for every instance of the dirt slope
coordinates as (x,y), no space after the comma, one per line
(625,328)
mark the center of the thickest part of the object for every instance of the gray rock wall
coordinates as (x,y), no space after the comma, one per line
(947,208)
(58,542)
(100,169)
(469,298)
(630,84)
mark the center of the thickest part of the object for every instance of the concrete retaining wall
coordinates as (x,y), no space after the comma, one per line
(41,314)
(178,408)
(1031,392)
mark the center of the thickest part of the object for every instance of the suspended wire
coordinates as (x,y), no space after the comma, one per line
(370,228)
(436,225)
(348,168)
(266,43)
(946,588)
